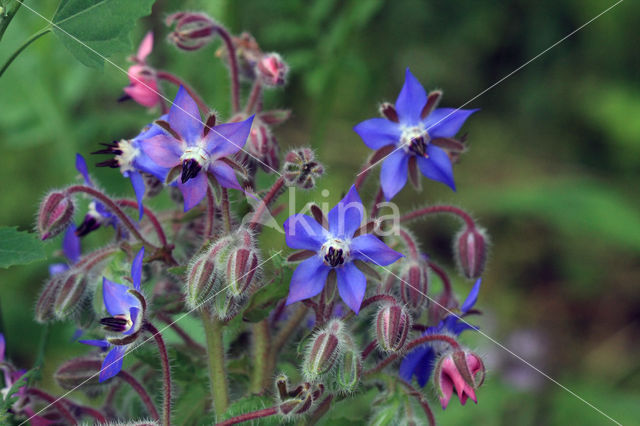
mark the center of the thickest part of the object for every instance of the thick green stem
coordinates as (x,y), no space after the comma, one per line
(21,48)
(215,355)
(261,349)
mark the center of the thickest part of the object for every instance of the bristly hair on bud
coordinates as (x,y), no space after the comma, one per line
(44,311)
(470,248)
(301,168)
(392,327)
(272,70)
(72,293)
(206,272)
(192,30)
(414,284)
(324,349)
(55,214)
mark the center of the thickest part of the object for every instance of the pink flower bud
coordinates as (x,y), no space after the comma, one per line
(56,212)
(192,30)
(272,70)
(301,168)
(458,370)
(414,284)
(471,251)
(71,293)
(248,54)
(242,270)
(393,324)
(323,351)
(143,87)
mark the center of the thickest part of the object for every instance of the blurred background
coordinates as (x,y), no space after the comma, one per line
(553,172)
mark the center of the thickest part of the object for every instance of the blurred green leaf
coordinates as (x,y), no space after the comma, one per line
(19,247)
(92,29)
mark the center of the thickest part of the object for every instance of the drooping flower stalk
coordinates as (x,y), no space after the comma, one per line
(166,372)
(411,391)
(149,214)
(255,98)
(233,66)
(141,391)
(56,402)
(177,81)
(439,209)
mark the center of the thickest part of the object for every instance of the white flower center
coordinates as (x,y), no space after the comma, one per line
(197,153)
(415,140)
(129,153)
(335,252)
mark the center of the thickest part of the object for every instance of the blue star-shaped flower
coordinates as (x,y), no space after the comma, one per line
(421,361)
(409,131)
(335,249)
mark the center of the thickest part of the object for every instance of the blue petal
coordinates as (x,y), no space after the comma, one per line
(81,166)
(225,175)
(303,232)
(378,132)
(418,362)
(227,139)
(352,285)
(184,117)
(136,269)
(137,181)
(393,175)
(411,100)
(57,268)
(370,249)
(438,166)
(308,279)
(98,343)
(71,244)
(446,122)
(3,345)
(76,334)
(193,190)
(164,151)
(346,217)
(112,363)
(472,297)
(117,298)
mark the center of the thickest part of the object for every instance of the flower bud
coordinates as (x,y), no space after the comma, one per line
(272,70)
(56,212)
(393,324)
(261,148)
(192,30)
(300,168)
(71,293)
(471,251)
(202,279)
(458,370)
(80,372)
(323,351)
(349,370)
(44,311)
(242,270)
(414,284)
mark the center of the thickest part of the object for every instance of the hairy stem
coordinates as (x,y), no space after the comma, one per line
(254,97)
(21,48)
(439,209)
(226,211)
(411,391)
(265,412)
(211,214)
(272,195)
(261,349)
(166,372)
(370,347)
(322,409)
(173,79)
(56,402)
(150,215)
(410,243)
(141,391)
(215,355)
(180,332)
(233,68)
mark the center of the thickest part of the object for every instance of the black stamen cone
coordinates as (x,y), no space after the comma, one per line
(117,325)
(190,169)
(88,225)
(334,257)
(418,146)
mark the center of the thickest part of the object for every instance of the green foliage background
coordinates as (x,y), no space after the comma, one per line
(552,173)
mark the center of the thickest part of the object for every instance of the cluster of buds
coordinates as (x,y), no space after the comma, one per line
(471,251)
(296,401)
(301,168)
(191,30)
(462,370)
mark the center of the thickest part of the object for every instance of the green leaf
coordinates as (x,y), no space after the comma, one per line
(19,247)
(94,29)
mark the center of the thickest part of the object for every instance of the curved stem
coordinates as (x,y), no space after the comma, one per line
(173,79)
(140,390)
(417,342)
(410,243)
(226,210)
(166,372)
(362,176)
(261,349)
(92,412)
(180,332)
(149,214)
(376,202)
(254,96)
(368,301)
(265,412)
(446,282)
(113,207)
(211,214)
(56,402)
(215,352)
(440,209)
(90,260)
(370,347)
(272,195)
(21,48)
(322,409)
(421,400)
(233,68)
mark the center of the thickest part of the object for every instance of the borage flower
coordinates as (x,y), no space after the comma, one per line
(127,315)
(98,215)
(143,83)
(332,247)
(189,147)
(412,137)
(420,361)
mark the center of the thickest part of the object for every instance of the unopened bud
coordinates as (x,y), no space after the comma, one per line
(471,251)
(242,270)
(414,284)
(79,372)
(192,30)
(393,324)
(323,351)
(56,212)
(44,311)
(272,70)
(202,279)
(301,168)
(70,294)
(462,370)
(349,370)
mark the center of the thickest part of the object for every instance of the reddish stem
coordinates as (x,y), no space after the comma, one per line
(211,214)
(362,176)
(446,282)
(226,210)
(417,342)
(166,372)
(423,402)
(167,76)
(411,244)
(149,214)
(370,347)
(322,409)
(180,332)
(92,259)
(83,409)
(368,301)
(254,97)
(268,199)
(265,412)
(141,391)
(376,202)
(440,209)
(233,68)
(56,402)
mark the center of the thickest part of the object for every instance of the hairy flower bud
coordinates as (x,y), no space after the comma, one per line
(323,351)
(44,311)
(242,270)
(192,30)
(393,324)
(71,293)
(414,284)
(202,279)
(272,70)
(80,372)
(349,370)
(301,169)
(471,251)
(56,212)
(462,370)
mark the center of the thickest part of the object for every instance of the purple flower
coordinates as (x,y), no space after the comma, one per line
(411,131)
(333,248)
(126,318)
(70,249)
(420,361)
(192,147)
(98,215)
